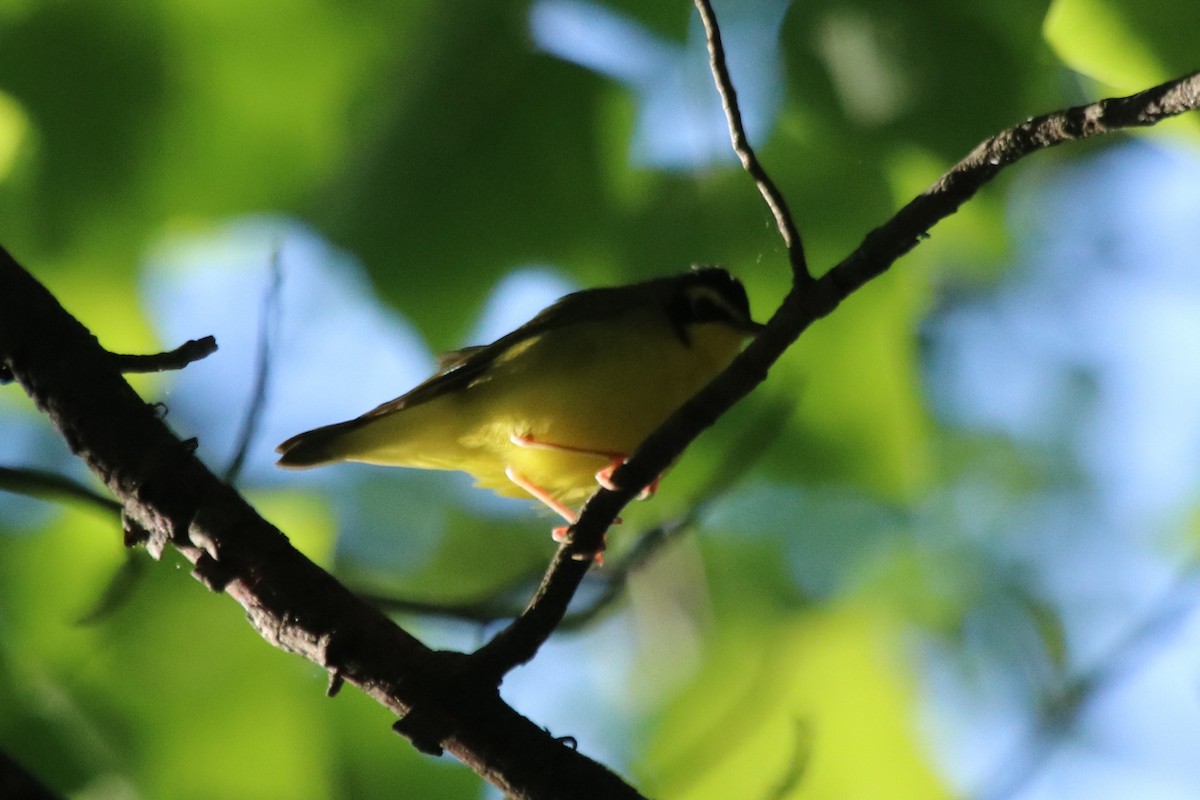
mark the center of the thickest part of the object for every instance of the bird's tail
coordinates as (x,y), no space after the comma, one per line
(316,447)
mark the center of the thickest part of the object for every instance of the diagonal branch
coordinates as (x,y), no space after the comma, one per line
(803,306)
(610,583)
(911,224)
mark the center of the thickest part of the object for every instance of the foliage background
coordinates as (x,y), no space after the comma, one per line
(954,501)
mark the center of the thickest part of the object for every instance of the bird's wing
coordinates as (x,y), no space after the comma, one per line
(453,358)
(466,366)
(461,368)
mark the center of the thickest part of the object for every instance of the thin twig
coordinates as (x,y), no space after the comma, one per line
(180,357)
(268,327)
(188,352)
(495,606)
(741,146)
(733,467)
(56,488)
(118,589)
(50,486)
(798,763)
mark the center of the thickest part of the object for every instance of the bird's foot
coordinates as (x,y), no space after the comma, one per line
(562,534)
(604,478)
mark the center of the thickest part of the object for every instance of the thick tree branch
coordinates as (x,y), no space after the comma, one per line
(804,305)
(294,605)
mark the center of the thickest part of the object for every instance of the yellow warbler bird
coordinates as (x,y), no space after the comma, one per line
(554,407)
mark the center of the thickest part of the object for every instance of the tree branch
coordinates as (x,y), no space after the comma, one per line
(882,246)
(268,325)
(450,700)
(180,357)
(292,603)
(805,304)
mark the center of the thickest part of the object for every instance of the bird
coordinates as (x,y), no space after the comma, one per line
(552,409)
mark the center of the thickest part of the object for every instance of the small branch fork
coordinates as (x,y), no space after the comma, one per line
(39,483)
(741,146)
(450,700)
(809,300)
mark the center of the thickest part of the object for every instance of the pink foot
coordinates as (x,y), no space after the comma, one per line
(604,478)
(561,534)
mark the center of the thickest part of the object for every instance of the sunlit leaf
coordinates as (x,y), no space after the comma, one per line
(813,706)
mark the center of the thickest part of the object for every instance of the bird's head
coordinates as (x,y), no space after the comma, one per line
(709,295)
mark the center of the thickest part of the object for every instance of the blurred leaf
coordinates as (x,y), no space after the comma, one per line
(1048,623)
(1094,37)
(1128,46)
(834,676)
(14,128)
(854,377)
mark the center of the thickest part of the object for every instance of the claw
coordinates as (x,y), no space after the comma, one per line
(561,534)
(597,557)
(649,489)
(604,478)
